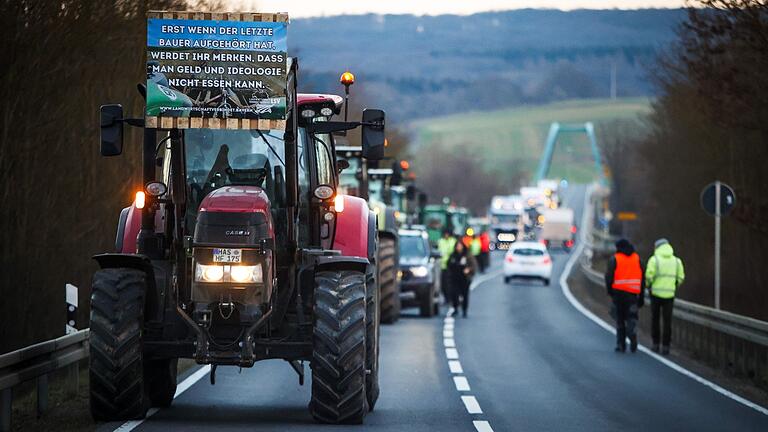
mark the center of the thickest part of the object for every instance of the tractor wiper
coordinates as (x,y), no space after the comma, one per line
(266,141)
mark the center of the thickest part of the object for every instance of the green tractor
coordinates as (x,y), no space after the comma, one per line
(440,217)
(373,185)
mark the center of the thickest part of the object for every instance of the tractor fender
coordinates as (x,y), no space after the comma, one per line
(352,228)
(341,262)
(130,229)
(121,229)
(372,237)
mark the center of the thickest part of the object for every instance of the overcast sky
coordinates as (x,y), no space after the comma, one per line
(305,8)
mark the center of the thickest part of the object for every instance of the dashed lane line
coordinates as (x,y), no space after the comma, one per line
(482,426)
(452,353)
(449,343)
(455,366)
(471,404)
(461,383)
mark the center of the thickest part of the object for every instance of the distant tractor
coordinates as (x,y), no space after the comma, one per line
(239,249)
(372,184)
(441,217)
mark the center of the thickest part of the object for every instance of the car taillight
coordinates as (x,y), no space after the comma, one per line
(547,260)
(569,243)
(508,258)
(573,229)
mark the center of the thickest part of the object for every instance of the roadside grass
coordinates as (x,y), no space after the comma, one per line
(508,137)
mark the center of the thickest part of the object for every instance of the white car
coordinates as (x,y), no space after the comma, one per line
(527,260)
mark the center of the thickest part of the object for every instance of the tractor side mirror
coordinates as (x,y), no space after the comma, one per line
(341,165)
(373,134)
(111,129)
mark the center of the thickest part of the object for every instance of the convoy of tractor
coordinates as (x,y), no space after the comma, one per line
(259,239)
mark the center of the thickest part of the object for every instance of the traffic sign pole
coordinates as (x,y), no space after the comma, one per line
(718,216)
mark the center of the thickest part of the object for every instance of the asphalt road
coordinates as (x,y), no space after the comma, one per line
(525,358)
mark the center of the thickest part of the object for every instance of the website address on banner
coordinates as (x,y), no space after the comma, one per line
(210,109)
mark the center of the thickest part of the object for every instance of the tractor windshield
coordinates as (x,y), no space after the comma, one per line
(220,157)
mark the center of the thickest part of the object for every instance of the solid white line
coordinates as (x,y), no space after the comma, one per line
(482,426)
(451,353)
(470,403)
(672,365)
(447,333)
(448,326)
(480,280)
(461,383)
(181,388)
(455,366)
(450,343)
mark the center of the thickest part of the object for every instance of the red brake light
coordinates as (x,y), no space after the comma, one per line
(569,243)
(508,258)
(573,229)
(547,260)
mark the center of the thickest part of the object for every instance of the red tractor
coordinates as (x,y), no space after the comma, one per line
(238,250)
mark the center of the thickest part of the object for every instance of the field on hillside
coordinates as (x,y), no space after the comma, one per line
(516,137)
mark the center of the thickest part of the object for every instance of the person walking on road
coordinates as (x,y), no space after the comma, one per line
(664,274)
(625,282)
(476,249)
(461,269)
(445,245)
(485,249)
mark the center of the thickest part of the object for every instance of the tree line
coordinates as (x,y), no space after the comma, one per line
(709,122)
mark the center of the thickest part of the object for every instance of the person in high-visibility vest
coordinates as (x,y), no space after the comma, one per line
(625,283)
(664,274)
(445,246)
(475,248)
(485,250)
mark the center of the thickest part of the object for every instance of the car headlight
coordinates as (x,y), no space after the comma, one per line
(227,273)
(506,237)
(420,271)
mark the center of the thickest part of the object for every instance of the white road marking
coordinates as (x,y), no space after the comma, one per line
(482,426)
(449,319)
(448,326)
(479,280)
(455,366)
(597,320)
(447,333)
(450,343)
(181,388)
(451,353)
(470,403)
(461,383)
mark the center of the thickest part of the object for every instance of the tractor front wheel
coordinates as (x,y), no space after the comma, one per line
(118,387)
(339,351)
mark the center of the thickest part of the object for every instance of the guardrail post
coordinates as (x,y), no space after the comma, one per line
(73,379)
(6,402)
(42,395)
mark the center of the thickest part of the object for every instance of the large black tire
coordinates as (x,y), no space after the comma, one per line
(386,261)
(338,357)
(161,379)
(426,302)
(372,334)
(118,386)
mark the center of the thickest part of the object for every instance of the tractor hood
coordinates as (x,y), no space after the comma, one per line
(234,215)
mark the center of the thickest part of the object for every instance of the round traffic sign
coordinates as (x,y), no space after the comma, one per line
(709,199)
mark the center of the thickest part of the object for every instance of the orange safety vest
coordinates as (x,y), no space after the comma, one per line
(628,273)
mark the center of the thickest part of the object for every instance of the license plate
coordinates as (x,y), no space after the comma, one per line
(227,255)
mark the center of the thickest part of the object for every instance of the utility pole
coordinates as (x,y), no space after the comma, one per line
(718,217)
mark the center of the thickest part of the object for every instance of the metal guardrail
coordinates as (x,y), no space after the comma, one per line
(35,362)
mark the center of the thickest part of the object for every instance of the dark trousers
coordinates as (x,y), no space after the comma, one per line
(460,295)
(445,286)
(485,261)
(661,310)
(626,316)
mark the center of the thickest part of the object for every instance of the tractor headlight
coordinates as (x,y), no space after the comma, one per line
(420,271)
(246,274)
(228,273)
(209,273)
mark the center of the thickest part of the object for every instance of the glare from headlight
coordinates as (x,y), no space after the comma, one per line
(419,271)
(506,237)
(245,274)
(209,273)
(225,273)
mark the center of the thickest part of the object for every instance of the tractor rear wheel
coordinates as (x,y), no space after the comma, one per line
(372,320)
(118,387)
(390,292)
(339,352)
